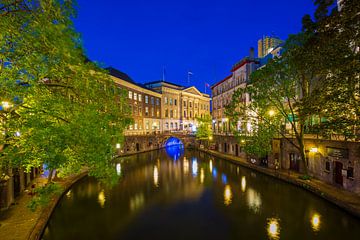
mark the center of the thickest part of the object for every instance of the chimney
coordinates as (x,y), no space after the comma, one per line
(252,52)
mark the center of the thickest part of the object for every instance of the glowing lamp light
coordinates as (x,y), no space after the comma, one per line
(314,150)
(210,138)
(5,105)
(271,113)
(118,146)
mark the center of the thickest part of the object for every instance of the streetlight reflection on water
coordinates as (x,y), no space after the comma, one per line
(227,195)
(315,222)
(273,228)
(243,184)
(101,198)
(156,176)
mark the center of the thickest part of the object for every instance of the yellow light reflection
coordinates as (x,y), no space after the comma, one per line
(243,184)
(101,198)
(211,166)
(156,176)
(315,222)
(69,194)
(253,200)
(118,169)
(227,195)
(186,165)
(202,175)
(273,228)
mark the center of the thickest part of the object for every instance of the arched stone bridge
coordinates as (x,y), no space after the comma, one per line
(141,143)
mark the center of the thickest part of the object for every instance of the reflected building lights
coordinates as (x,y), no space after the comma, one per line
(243,184)
(118,169)
(202,175)
(186,165)
(156,176)
(253,200)
(315,222)
(227,195)
(101,198)
(211,166)
(223,178)
(137,201)
(273,228)
(194,168)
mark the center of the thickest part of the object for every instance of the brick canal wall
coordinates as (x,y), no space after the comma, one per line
(334,162)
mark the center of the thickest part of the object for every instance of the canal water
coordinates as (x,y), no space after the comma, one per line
(177,194)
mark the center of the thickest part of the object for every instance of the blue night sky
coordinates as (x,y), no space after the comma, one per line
(206,37)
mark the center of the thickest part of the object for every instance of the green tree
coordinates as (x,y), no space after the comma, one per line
(204,132)
(334,49)
(64,111)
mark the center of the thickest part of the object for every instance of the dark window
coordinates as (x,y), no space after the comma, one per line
(327,166)
(350,172)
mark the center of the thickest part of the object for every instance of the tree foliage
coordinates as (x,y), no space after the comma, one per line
(64,111)
(313,86)
(204,131)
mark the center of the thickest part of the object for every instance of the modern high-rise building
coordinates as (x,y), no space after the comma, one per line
(266,44)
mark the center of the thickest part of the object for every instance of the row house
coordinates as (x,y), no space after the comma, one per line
(144,103)
(223,91)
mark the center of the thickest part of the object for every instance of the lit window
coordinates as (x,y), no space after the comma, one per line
(146,111)
(170,101)
(165,100)
(139,98)
(152,112)
(135,96)
(130,94)
(146,99)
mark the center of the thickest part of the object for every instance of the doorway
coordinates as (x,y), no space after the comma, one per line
(137,147)
(294,162)
(225,147)
(236,150)
(338,178)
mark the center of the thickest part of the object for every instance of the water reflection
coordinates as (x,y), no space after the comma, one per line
(137,201)
(186,166)
(118,169)
(315,222)
(253,200)
(175,151)
(227,195)
(159,198)
(194,167)
(243,184)
(202,175)
(101,198)
(156,176)
(273,228)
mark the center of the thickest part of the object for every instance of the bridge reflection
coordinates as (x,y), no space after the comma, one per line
(174,148)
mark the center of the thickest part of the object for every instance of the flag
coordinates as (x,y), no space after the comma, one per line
(207,85)
(190,73)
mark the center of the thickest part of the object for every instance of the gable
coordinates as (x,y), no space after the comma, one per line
(193,90)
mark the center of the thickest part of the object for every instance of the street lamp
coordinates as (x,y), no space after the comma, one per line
(5,105)
(271,113)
